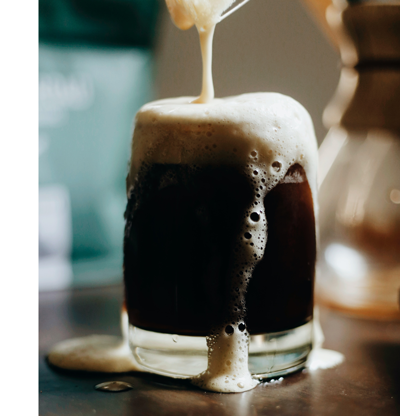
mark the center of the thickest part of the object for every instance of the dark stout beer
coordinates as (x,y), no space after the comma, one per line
(182,222)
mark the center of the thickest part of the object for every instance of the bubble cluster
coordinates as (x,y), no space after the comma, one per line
(249,251)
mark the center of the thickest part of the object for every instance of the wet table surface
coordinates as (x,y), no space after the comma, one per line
(367,383)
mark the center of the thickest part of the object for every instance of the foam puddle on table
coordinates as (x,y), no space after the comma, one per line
(111,354)
(96,353)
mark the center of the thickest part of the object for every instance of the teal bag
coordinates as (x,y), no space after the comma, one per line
(88,96)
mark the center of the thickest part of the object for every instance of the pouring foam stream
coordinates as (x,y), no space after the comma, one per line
(204,14)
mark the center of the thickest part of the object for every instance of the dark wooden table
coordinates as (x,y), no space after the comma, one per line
(368,383)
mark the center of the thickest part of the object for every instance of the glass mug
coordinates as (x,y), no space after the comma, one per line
(181,221)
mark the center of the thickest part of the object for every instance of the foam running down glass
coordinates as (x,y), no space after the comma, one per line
(193,207)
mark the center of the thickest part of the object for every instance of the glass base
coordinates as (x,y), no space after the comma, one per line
(179,356)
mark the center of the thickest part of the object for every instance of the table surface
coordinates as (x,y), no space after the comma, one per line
(367,383)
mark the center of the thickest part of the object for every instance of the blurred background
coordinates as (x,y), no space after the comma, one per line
(99,61)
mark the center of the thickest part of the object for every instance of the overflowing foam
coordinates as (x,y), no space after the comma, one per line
(261,134)
(227,369)
(322,359)
(99,353)
(264,132)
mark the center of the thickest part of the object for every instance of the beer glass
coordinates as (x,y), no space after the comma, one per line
(183,217)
